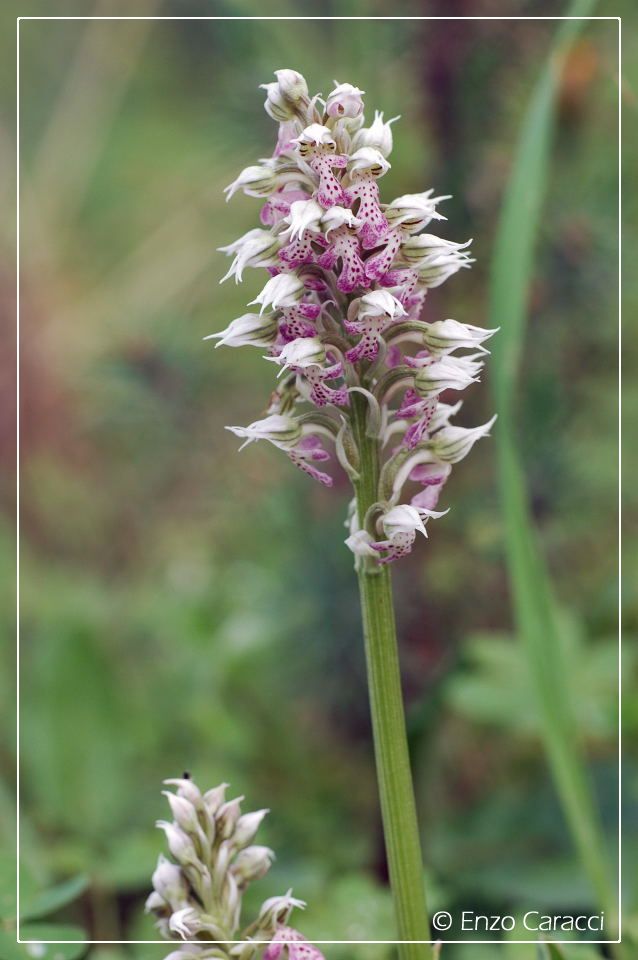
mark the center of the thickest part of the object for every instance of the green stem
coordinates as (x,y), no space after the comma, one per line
(398,810)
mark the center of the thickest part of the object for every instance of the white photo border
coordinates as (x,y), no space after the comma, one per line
(167,943)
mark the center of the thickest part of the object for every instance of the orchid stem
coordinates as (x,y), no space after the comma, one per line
(396,792)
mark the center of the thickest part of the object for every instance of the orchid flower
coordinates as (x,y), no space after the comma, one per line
(400,525)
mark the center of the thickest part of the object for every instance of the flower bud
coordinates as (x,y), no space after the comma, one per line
(179,843)
(287,97)
(251,329)
(184,812)
(186,787)
(214,798)
(378,136)
(168,881)
(227,816)
(275,104)
(259,180)
(292,85)
(344,101)
(283,432)
(448,373)
(247,826)
(230,899)
(252,863)
(452,444)
(368,160)
(155,903)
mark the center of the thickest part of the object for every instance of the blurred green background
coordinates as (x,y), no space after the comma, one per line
(184,607)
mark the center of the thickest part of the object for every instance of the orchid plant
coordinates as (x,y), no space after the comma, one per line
(360,369)
(197,896)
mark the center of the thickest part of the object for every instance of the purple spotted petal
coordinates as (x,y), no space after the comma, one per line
(329,193)
(379,263)
(374,226)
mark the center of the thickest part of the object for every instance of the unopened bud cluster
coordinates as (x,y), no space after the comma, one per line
(341,312)
(197,895)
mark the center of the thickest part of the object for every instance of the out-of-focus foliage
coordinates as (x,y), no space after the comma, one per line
(496,687)
(533,601)
(186,607)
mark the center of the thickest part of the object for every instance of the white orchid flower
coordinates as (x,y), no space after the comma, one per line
(413,211)
(380,302)
(284,290)
(436,269)
(368,160)
(360,543)
(257,248)
(315,135)
(442,336)
(259,180)
(283,432)
(275,911)
(335,217)
(300,353)
(402,519)
(452,444)
(448,373)
(249,330)
(415,249)
(304,215)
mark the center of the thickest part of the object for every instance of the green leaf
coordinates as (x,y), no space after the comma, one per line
(53,899)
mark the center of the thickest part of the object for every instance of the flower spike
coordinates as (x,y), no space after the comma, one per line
(341,317)
(197,896)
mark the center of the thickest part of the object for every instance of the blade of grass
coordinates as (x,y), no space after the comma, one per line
(534,606)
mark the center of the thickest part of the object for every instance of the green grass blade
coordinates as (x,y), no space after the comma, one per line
(534,606)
